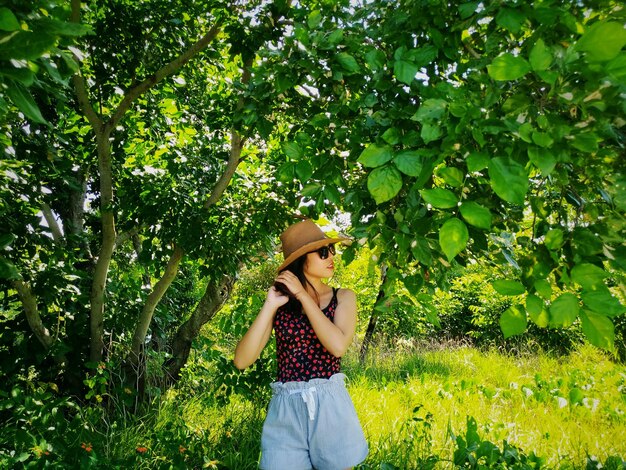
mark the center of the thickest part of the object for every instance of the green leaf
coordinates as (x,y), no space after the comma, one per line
(542,159)
(430,132)
(314,19)
(422,56)
(564,310)
(7,269)
(476,215)
(391,136)
(576,396)
(537,311)
(8,21)
(376,59)
(602,301)
(507,287)
(439,198)
(304,170)
(508,67)
(332,194)
(292,150)
(451,175)
(405,71)
(589,276)
(543,288)
(586,142)
(287,172)
(409,162)
(540,56)
(22,98)
(6,239)
(513,321)
(616,68)
(603,41)
(508,179)
(599,330)
(453,237)
(468,9)
(554,239)
(348,62)
(26,45)
(384,183)
(375,155)
(542,139)
(60,28)
(430,109)
(510,19)
(477,161)
(23,75)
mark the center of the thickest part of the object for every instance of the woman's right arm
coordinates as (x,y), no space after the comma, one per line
(249,348)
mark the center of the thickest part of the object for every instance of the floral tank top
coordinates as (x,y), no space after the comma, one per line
(300,355)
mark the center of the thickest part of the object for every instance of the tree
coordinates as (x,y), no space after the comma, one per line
(472,131)
(450,133)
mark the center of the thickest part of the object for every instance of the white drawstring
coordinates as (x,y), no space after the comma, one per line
(308,398)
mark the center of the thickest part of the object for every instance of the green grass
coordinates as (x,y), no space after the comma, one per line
(412,404)
(564,410)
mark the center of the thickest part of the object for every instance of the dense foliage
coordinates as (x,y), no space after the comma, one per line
(153,149)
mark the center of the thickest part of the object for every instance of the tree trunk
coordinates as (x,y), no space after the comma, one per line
(32,314)
(215,295)
(139,337)
(371,326)
(96,344)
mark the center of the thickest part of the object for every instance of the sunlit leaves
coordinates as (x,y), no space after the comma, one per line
(476,215)
(508,67)
(384,183)
(439,198)
(430,109)
(513,321)
(540,56)
(409,162)
(602,41)
(564,310)
(508,287)
(508,179)
(375,155)
(598,329)
(348,62)
(589,276)
(453,237)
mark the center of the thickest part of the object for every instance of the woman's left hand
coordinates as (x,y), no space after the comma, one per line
(291,281)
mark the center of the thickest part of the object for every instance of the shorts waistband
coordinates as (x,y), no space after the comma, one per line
(334,380)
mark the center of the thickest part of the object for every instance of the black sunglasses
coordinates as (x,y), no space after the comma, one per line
(323,251)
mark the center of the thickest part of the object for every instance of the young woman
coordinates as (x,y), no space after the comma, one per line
(311,421)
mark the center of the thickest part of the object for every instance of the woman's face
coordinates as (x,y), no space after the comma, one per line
(315,266)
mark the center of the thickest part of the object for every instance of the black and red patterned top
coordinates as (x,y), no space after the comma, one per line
(300,355)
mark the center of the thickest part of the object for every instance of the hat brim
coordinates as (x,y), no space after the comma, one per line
(309,247)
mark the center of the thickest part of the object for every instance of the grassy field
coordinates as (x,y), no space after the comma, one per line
(413,404)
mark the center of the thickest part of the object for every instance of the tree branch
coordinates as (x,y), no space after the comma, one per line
(29,302)
(79,82)
(57,235)
(236,146)
(153,299)
(160,74)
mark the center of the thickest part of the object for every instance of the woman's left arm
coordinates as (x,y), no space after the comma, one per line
(336,335)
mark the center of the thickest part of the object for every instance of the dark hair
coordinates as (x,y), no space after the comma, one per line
(296,267)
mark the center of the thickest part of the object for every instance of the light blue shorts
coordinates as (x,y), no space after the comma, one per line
(312,425)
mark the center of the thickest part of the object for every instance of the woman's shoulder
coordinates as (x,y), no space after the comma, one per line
(344,294)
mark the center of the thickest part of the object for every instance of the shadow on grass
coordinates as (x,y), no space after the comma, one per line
(395,368)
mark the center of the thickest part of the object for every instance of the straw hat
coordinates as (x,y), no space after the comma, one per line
(301,238)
